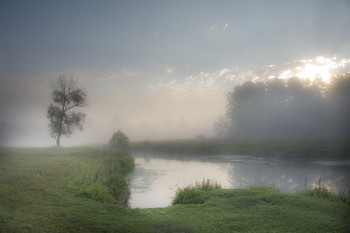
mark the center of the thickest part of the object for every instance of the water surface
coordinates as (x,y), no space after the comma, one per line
(155,180)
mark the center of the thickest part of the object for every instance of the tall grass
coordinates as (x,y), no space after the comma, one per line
(320,190)
(103,178)
(98,174)
(195,194)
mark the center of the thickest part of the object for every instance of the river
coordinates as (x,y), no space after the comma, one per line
(155,179)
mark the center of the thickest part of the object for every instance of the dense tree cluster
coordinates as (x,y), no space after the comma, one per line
(288,109)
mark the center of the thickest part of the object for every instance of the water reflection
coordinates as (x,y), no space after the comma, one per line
(155,180)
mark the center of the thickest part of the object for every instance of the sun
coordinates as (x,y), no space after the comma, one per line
(314,71)
(320,68)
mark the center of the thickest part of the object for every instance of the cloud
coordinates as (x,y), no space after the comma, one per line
(169,69)
(319,67)
(198,84)
(224,79)
(212,28)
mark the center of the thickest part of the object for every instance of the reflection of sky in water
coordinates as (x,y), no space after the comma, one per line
(155,181)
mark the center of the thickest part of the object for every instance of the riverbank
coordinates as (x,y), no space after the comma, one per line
(70,190)
(287,149)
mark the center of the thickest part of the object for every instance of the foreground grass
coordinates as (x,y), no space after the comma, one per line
(67,190)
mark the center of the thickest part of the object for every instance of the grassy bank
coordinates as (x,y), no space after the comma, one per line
(75,190)
(44,190)
(301,149)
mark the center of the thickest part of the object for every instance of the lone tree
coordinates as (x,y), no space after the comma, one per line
(119,140)
(66,97)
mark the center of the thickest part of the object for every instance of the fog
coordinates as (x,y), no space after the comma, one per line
(289,109)
(147,115)
(275,106)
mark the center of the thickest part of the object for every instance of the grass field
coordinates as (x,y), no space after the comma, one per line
(85,190)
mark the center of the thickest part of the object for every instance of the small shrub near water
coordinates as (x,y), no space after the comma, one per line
(195,194)
(189,195)
(119,140)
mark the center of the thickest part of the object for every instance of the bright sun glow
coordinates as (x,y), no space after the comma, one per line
(311,72)
(321,67)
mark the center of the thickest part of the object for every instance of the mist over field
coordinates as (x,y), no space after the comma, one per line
(175,110)
(174,116)
(158,76)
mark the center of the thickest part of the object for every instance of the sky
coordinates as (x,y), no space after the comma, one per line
(156,69)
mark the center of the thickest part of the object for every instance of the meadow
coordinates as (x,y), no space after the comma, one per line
(85,190)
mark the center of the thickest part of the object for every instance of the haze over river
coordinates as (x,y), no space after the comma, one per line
(155,180)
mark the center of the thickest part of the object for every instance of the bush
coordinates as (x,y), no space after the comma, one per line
(189,195)
(119,140)
(195,194)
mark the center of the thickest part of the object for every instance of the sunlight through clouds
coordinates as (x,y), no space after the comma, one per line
(320,67)
(228,77)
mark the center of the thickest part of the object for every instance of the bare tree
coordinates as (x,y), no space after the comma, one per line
(66,97)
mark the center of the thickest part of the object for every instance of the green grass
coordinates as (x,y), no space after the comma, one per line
(74,190)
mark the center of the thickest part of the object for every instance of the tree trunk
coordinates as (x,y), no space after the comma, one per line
(58,141)
(61,121)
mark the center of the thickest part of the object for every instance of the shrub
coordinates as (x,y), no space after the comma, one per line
(119,140)
(195,194)
(189,195)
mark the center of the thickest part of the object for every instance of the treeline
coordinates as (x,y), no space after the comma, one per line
(293,149)
(288,109)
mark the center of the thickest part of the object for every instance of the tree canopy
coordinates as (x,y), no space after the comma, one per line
(119,140)
(288,109)
(66,97)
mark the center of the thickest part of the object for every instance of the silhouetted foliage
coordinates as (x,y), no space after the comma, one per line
(66,97)
(288,109)
(120,140)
